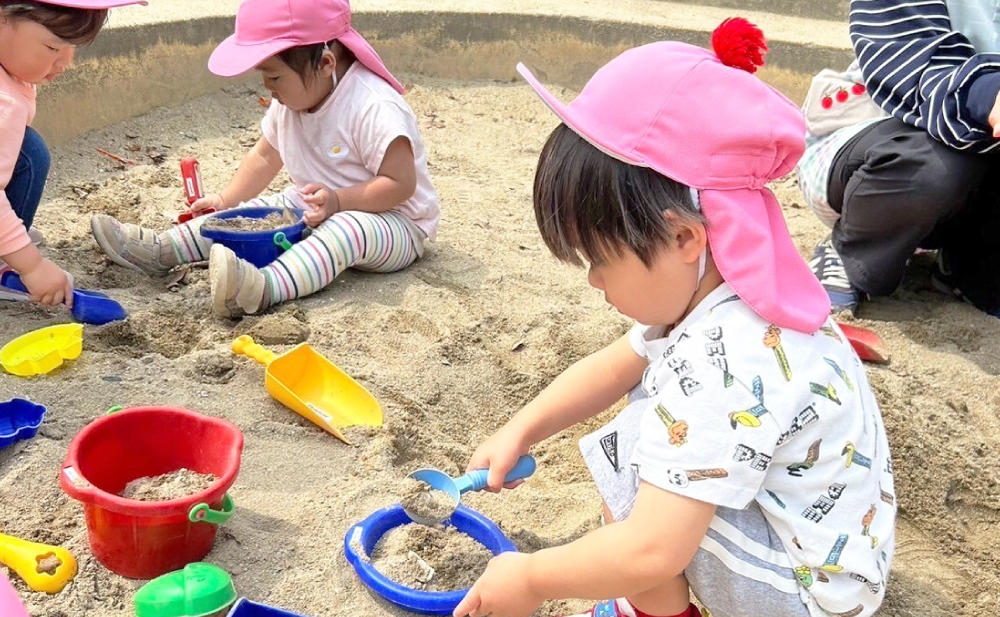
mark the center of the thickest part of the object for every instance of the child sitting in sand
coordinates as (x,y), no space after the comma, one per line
(751,466)
(37,41)
(339,123)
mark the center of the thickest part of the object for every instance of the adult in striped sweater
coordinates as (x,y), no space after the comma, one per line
(338,122)
(922,177)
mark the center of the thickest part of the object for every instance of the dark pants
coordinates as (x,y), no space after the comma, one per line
(898,189)
(24,191)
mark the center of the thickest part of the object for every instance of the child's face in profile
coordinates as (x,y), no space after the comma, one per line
(290,89)
(30,52)
(656,295)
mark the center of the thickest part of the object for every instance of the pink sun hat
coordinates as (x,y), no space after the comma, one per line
(267,27)
(93,4)
(703,119)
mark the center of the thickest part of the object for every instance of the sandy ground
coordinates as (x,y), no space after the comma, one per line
(451,347)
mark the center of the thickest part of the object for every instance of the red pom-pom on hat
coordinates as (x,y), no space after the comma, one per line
(739,44)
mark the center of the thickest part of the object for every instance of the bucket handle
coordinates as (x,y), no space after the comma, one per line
(202,513)
(281,240)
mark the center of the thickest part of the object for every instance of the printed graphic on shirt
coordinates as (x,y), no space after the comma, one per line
(772,340)
(778,501)
(866,523)
(677,429)
(872,586)
(827,391)
(851,613)
(805,576)
(824,503)
(796,469)
(683,369)
(715,349)
(758,461)
(889,498)
(853,458)
(831,560)
(829,331)
(337,151)
(682,477)
(840,373)
(750,417)
(609,443)
(804,418)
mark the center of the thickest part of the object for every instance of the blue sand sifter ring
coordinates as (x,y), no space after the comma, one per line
(362,538)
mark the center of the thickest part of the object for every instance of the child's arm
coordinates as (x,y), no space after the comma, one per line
(395,182)
(645,552)
(583,390)
(258,169)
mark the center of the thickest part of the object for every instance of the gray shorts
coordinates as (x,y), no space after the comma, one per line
(741,568)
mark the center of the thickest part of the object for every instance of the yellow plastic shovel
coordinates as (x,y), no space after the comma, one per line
(312,386)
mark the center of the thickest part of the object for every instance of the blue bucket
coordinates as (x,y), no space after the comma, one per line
(257,247)
(362,538)
(246,608)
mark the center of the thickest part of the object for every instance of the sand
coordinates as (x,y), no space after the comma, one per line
(246,223)
(439,558)
(451,347)
(419,499)
(164,487)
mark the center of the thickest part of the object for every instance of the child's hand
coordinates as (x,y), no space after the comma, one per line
(499,454)
(323,202)
(48,284)
(212,200)
(502,591)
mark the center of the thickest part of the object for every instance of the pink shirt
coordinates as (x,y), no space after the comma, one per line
(17,110)
(343,142)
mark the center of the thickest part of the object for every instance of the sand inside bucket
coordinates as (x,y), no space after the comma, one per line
(247,223)
(173,485)
(421,500)
(439,558)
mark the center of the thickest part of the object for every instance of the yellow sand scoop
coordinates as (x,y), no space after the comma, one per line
(312,386)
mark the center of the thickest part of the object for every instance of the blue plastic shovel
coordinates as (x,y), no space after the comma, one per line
(89,307)
(472,481)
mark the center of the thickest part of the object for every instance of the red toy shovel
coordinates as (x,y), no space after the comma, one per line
(867,344)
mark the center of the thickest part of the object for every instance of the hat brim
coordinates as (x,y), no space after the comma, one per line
(94,5)
(367,56)
(231,58)
(573,120)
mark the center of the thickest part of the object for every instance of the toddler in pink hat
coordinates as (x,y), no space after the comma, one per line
(37,41)
(751,465)
(340,126)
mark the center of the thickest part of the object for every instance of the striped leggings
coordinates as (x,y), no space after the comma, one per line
(384,242)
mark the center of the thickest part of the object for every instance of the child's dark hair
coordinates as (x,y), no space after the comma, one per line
(305,59)
(75,26)
(591,204)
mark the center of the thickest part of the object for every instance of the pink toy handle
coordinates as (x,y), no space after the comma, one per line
(10,603)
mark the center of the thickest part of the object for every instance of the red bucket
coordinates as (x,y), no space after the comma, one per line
(139,539)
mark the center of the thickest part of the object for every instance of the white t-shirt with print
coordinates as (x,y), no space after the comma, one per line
(742,411)
(343,143)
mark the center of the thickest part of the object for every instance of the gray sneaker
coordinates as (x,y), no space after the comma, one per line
(128,245)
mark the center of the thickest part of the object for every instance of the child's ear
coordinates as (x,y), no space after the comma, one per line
(690,237)
(327,64)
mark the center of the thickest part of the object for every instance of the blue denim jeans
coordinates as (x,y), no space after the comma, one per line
(24,191)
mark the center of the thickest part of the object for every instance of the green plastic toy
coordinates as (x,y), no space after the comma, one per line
(199,590)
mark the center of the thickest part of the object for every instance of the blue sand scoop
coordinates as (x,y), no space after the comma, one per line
(472,481)
(89,307)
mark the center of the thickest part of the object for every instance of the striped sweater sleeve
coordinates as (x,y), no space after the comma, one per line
(921,71)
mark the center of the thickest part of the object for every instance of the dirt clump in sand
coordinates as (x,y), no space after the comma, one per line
(173,485)
(439,558)
(421,500)
(246,223)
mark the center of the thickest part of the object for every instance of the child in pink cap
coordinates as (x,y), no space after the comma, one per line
(37,41)
(751,466)
(338,122)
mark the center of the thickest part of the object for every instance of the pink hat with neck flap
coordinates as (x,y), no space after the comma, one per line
(703,119)
(265,28)
(93,5)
